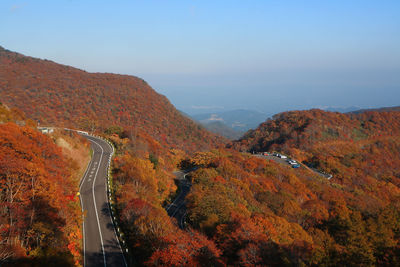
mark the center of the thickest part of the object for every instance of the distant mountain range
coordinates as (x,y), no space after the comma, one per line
(239,120)
(341,109)
(220,128)
(384,109)
(357,110)
(231,124)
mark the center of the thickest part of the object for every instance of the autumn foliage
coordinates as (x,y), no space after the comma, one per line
(259,212)
(40,216)
(352,218)
(359,150)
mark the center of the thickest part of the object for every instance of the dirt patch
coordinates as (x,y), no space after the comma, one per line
(63,144)
(75,148)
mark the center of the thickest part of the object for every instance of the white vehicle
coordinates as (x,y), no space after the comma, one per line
(82,132)
(282,156)
(292,162)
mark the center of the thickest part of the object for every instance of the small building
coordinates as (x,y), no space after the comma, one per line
(46,130)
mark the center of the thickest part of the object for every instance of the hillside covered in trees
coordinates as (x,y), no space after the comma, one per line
(357,149)
(64,96)
(258,212)
(40,215)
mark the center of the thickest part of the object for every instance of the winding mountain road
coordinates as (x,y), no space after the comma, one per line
(100,243)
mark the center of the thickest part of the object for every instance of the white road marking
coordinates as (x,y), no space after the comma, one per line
(83,221)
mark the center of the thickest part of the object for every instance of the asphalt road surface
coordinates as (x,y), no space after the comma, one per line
(100,244)
(177,208)
(284,162)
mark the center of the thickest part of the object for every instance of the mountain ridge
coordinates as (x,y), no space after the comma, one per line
(62,95)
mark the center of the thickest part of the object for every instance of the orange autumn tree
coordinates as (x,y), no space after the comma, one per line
(186,249)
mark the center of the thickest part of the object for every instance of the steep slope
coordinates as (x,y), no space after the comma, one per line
(61,95)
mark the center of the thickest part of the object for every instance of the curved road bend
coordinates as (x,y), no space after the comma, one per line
(100,244)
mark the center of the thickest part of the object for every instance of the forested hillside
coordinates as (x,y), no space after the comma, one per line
(352,219)
(61,95)
(40,218)
(261,213)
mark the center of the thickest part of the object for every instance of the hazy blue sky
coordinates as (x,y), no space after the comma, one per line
(264,55)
